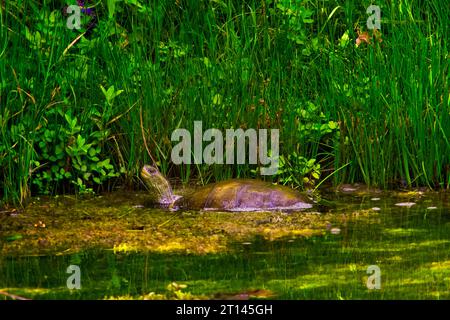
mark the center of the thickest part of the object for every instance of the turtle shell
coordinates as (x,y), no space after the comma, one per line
(245,195)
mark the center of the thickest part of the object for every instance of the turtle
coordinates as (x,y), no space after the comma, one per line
(230,195)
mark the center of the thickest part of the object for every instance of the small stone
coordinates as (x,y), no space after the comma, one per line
(376,209)
(375,199)
(335,230)
(405,204)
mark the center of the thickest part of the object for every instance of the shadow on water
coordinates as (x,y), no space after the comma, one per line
(410,245)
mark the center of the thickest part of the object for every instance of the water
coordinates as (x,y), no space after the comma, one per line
(163,255)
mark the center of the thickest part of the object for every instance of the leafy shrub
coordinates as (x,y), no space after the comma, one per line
(69,153)
(315,134)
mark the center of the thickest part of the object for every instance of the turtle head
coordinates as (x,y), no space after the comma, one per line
(157,185)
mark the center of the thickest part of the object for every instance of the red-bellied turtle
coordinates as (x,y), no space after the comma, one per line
(229,195)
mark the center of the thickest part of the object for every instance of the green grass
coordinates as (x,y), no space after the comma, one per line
(230,64)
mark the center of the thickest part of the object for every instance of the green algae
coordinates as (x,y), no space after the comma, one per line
(121,223)
(127,251)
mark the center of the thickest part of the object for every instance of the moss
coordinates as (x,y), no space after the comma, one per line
(119,222)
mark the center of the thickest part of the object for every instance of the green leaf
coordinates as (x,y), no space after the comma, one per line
(333,125)
(217,99)
(14,237)
(59,150)
(80,141)
(111,8)
(92,152)
(310,162)
(104,91)
(72,122)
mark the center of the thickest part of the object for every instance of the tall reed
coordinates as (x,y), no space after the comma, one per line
(231,64)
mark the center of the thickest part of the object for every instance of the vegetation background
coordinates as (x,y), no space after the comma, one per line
(82,110)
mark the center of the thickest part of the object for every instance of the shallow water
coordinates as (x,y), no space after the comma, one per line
(409,243)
